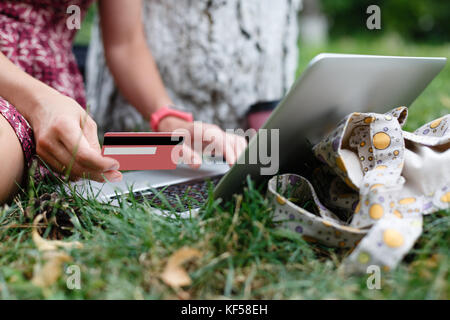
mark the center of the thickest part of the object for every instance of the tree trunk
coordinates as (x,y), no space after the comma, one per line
(216,58)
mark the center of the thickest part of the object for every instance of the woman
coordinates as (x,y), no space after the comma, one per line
(42,97)
(216,58)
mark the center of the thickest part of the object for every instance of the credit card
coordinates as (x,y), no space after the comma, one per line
(142,150)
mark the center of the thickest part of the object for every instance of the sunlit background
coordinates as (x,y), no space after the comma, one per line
(408,28)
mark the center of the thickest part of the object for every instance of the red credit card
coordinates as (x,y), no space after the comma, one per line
(142,150)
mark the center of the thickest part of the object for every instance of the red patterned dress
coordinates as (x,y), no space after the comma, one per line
(34,36)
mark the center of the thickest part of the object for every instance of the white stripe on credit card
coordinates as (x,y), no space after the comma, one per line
(129,151)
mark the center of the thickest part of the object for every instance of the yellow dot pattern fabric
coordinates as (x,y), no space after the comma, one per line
(369,208)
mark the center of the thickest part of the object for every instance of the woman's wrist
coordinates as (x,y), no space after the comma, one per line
(34,102)
(29,97)
(20,89)
(165,119)
(169,124)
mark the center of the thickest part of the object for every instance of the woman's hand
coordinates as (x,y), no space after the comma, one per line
(228,145)
(66,139)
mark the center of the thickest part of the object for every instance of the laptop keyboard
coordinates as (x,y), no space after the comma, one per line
(177,197)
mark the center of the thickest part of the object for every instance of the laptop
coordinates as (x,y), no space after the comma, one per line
(332,86)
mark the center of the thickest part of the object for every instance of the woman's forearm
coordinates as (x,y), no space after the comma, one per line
(128,56)
(21,89)
(133,60)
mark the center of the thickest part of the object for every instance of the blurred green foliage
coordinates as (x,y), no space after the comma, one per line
(84,34)
(427,20)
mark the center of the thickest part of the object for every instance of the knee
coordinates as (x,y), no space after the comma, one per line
(11,162)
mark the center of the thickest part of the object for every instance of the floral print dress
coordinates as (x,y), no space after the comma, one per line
(34,35)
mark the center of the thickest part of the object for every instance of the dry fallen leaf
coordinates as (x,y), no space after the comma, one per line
(51,271)
(50,245)
(44,276)
(174,274)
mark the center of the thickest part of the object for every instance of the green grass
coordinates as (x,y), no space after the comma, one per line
(126,248)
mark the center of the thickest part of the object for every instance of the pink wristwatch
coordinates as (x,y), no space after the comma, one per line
(157,116)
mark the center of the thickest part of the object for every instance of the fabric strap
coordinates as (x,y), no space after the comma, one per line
(375,182)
